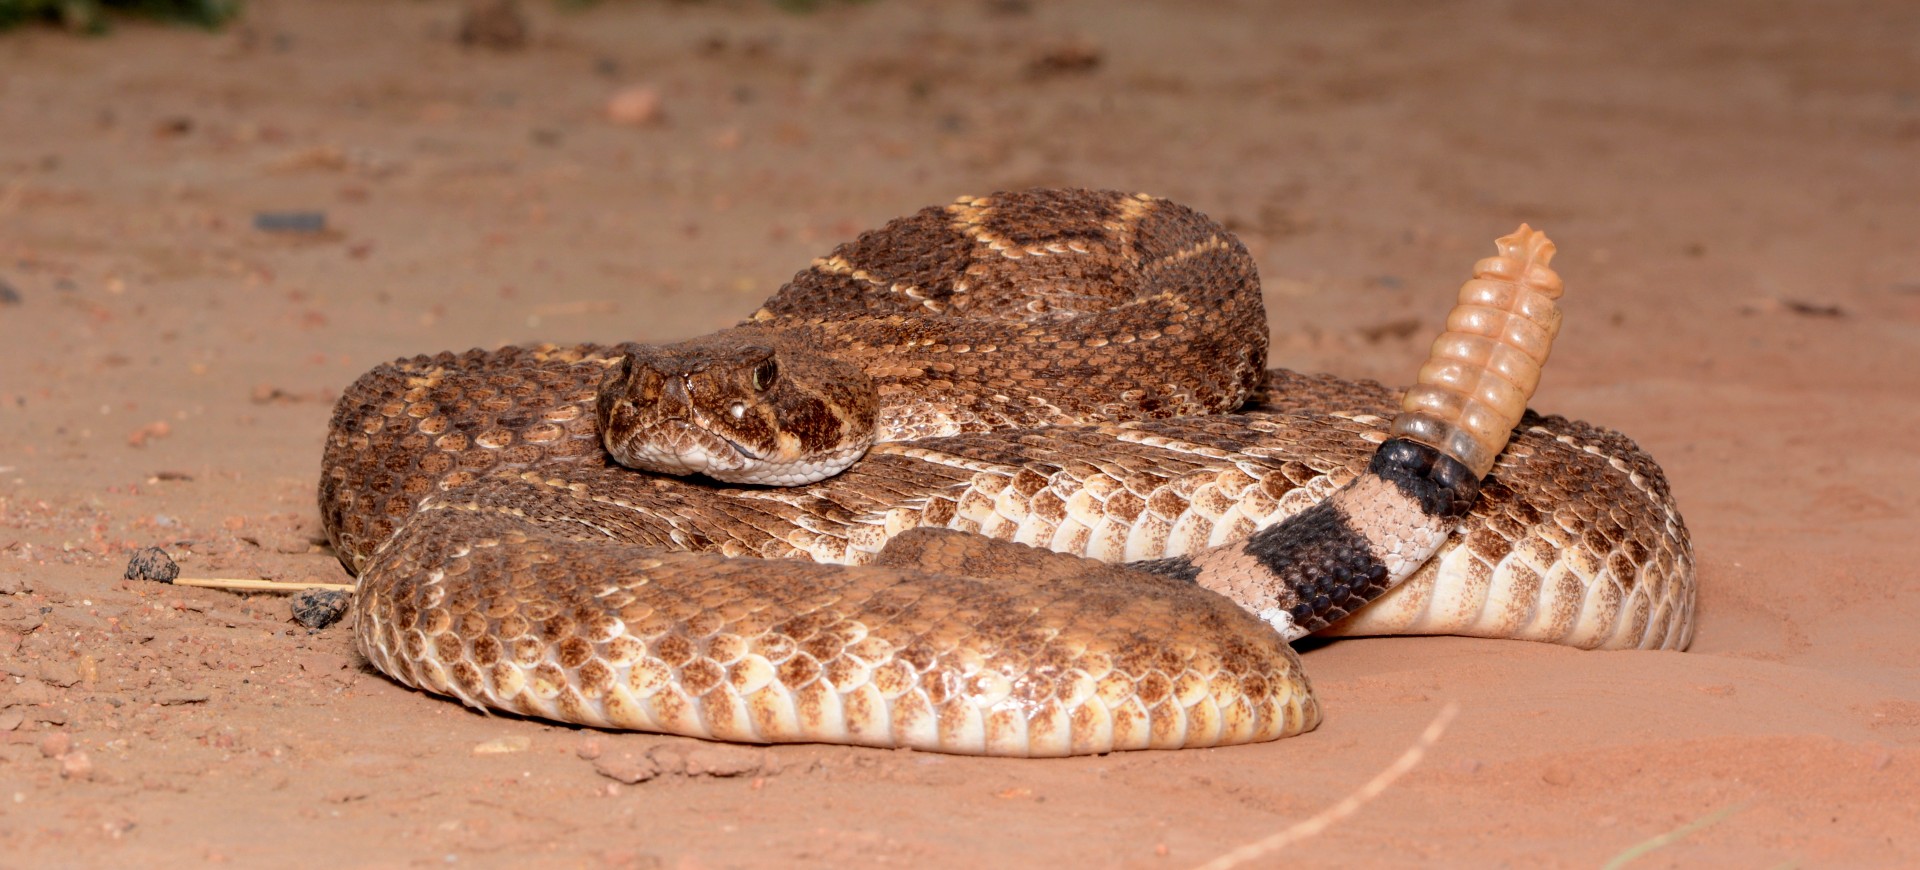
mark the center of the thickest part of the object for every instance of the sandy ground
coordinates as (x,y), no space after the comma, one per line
(1736,192)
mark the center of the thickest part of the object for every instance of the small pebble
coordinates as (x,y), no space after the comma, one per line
(499,25)
(626,766)
(637,106)
(59,674)
(56,744)
(290,221)
(25,623)
(289,543)
(504,745)
(157,429)
(28,695)
(319,608)
(177,697)
(721,760)
(670,757)
(153,564)
(76,765)
(1066,57)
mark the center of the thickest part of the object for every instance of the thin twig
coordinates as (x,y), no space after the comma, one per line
(1348,805)
(240,584)
(1641,849)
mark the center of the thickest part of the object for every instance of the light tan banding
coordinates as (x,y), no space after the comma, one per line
(505,563)
(1483,369)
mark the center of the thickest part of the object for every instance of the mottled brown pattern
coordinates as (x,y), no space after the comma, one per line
(531,574)
(1011,311)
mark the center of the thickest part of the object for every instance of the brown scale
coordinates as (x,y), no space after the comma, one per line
(1556,482)
(533,576)
(1011,311)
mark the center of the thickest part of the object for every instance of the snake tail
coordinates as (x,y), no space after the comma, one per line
(1320,566)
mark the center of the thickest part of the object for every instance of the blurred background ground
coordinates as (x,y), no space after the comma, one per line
(205,236)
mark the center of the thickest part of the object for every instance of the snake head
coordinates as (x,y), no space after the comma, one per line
(740,406)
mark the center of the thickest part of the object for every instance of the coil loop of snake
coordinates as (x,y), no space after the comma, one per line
(912,424)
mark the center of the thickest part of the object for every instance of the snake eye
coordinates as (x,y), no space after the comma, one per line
(764,374)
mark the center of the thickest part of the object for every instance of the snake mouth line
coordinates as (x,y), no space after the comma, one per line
(699,433)
(739,448)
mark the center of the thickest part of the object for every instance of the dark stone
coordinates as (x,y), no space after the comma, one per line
(319,608)
(499,25)
(153,564)
(290,221)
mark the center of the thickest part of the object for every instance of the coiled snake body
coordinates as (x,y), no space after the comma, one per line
(506,560)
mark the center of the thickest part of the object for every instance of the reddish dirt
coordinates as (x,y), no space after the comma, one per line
(1733,186)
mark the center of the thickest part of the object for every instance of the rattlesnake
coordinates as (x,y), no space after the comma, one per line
(505,559)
